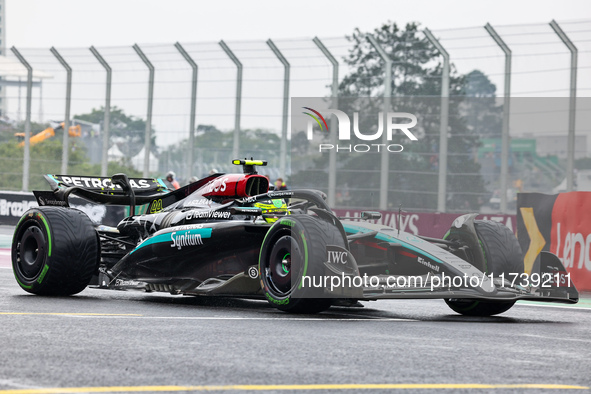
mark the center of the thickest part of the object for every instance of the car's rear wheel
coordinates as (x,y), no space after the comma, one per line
(294,248)
(503,255)
(55,251)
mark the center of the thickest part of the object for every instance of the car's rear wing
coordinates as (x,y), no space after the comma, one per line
(101,190)
(109,191)
(104,185)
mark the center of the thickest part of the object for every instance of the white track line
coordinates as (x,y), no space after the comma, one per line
(245,318)
(556,306)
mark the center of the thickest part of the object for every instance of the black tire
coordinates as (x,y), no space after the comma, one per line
(503,255)
(55,251)
(282,262)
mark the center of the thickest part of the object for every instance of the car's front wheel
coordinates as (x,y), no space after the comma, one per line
(502,255)
(294,249)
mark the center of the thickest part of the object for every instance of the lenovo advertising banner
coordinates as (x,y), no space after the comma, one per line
(560,224)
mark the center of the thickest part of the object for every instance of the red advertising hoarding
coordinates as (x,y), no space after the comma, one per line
(560,224)
(425,223)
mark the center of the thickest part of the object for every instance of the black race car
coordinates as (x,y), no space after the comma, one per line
(228,235)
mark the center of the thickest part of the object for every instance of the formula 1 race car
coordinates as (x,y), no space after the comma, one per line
(228,235)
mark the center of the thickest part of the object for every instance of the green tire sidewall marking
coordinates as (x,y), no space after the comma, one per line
(48,233)
(287,222)
(267,294)
(46,267)
(284,301)
(305,259)
(43,273)
(21,283)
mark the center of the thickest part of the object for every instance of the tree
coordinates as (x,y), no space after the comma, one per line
(129,132)
(416,88)
(213,148)
(410,55)
(482,114)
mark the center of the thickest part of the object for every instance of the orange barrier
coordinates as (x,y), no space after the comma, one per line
(73,131)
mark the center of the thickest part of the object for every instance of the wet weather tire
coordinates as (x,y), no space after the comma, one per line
(503,255)
(293,248)
(55,251)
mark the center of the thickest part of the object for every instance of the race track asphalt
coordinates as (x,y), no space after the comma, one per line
(114,341)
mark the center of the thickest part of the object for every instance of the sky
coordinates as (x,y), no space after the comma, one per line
(113,26)
(81,23)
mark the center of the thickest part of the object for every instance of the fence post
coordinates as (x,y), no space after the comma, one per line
(572,105)
(27,154)
(66,138)
(444,120)
(283,143)
(506,113)
(148,137)
(193,65)
(107,118)
(332,156)
(40,100)
(236,144)
(385,162)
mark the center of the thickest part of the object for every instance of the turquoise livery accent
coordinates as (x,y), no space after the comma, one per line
(168,237)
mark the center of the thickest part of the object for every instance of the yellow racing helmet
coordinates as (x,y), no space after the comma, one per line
(273,210)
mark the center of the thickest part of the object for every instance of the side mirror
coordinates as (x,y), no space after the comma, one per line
(371,215)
